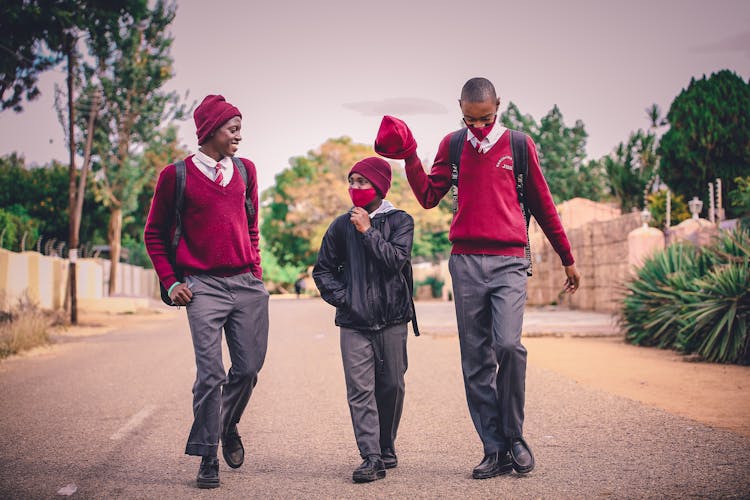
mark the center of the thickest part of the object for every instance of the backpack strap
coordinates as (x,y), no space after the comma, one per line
(520,151)
(179,200)
(249,208)
(457,140)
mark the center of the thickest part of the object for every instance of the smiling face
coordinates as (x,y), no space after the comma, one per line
(225,140)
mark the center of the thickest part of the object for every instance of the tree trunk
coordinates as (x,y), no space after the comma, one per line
(114,236)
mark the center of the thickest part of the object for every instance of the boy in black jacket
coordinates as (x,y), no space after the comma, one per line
(364,270)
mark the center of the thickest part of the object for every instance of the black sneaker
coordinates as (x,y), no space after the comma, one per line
(208,474)
(371,469)
(389,458)
(232,449)
(493,465)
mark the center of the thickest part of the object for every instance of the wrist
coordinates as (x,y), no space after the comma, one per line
(169,292)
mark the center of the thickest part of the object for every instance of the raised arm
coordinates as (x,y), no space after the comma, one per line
(430,188)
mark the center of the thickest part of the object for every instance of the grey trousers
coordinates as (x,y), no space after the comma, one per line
(374,368)
(490,295)
(238,305)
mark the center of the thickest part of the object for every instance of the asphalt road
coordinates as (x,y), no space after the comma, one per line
(107,416)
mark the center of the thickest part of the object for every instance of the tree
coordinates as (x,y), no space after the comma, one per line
(131,66)
(562,153)
(309,194)
(306,198)
(708,136)
(631,169)
(163,149)
(28,31)
(42,194)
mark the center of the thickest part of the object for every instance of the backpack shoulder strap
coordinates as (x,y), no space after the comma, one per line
(179,200)
(520,167)
(520,151)
(249,208)
(457,140)
(456,147)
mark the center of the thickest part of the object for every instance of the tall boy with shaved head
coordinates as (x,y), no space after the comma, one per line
(216,274)
(488,263)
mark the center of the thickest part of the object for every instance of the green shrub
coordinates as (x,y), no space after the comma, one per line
(693,300)
(18,231)
(652,306)
(657,206)
(716,324)
(435,284)
(740,196)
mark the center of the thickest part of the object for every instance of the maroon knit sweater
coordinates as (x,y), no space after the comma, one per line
(215,237)
(489,218)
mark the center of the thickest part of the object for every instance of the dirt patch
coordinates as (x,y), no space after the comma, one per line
(710,393)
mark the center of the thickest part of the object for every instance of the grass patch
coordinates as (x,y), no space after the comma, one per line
(23,326)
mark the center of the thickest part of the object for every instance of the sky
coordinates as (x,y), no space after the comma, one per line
(302,72)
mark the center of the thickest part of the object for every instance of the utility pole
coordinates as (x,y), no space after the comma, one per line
(73,236)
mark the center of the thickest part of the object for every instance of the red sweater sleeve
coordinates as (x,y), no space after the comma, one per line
(543,208)
(430,189)
(160,226)
(252,186)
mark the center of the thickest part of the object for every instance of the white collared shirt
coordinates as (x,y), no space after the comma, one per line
(489,141)
(207,165)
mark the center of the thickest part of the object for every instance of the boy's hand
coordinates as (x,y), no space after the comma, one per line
(360,218)
(181,295)
(573,279)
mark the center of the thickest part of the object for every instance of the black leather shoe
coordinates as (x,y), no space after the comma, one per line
(370,470)
(523,458)
(494,464)
(208,473)
(232,449)
(389,458)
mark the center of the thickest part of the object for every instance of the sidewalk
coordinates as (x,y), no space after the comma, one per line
(439,319)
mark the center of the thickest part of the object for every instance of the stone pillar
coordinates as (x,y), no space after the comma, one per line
(642,243)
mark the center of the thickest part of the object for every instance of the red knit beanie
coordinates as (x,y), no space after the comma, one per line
(377,171)
(211,114)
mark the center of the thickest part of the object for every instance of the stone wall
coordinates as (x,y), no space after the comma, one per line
(600,248)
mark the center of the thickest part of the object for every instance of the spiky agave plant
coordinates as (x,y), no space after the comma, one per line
(654,301)
(716,324)
(730,247)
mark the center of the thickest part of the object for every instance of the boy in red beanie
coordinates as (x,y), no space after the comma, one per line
(364,270)
(219,260)
(488,264)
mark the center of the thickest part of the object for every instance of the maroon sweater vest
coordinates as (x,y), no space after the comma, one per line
(215,237)
(489,218)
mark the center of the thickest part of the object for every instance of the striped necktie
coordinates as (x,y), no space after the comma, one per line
(219,175)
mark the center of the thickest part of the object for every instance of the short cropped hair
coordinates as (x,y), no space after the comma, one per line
(477,90)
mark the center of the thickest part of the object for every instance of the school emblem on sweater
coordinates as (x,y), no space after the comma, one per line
(505,162)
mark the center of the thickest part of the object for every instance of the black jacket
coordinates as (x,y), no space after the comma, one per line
(368,277)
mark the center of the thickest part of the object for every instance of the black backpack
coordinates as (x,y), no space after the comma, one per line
(179,200)
(520,153)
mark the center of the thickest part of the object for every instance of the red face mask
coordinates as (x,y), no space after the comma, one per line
(481,132)
(362,197)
